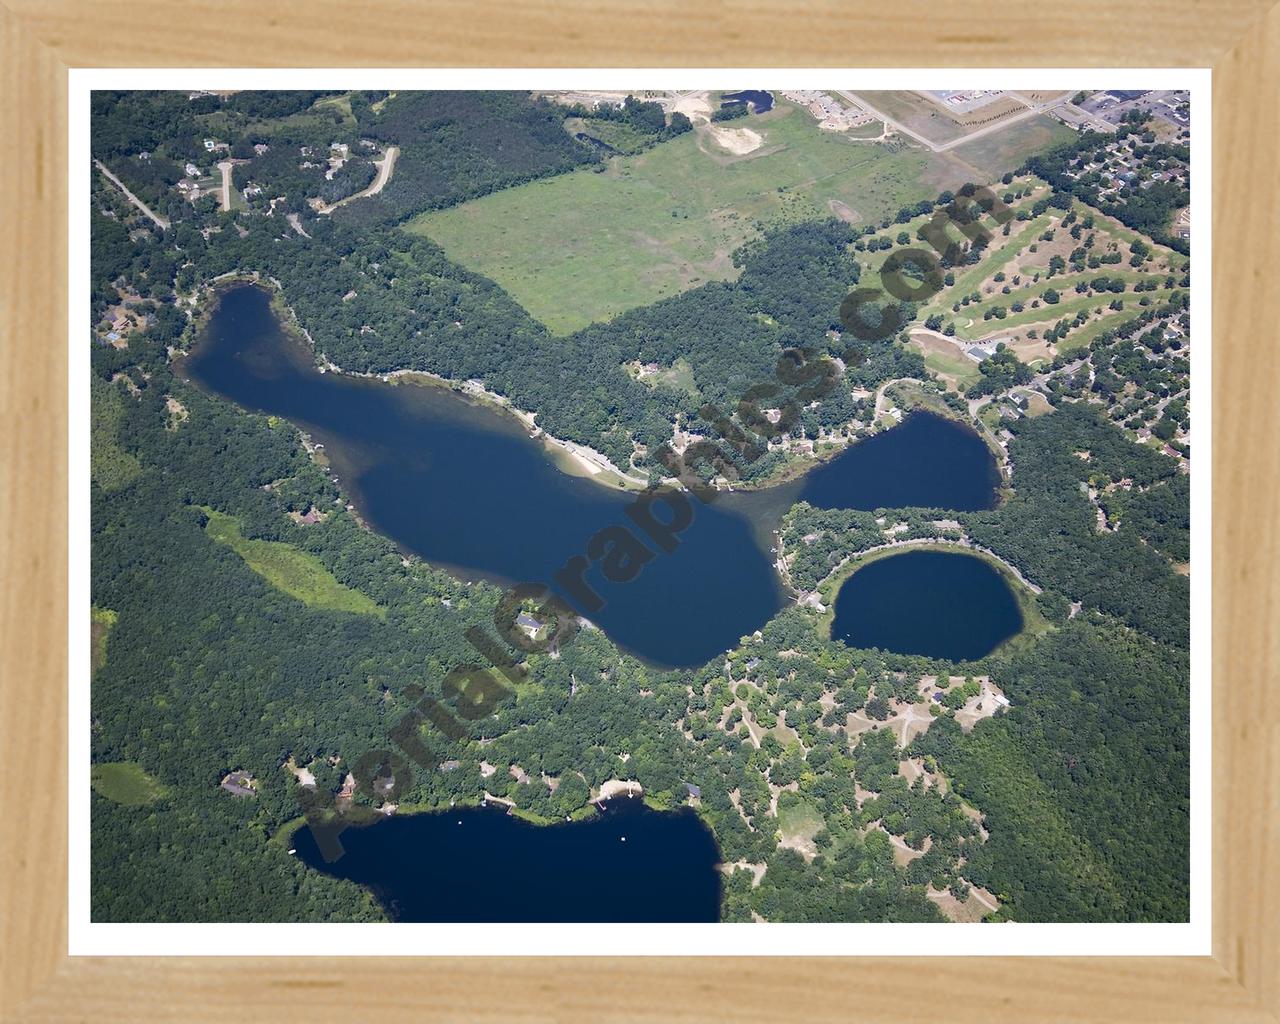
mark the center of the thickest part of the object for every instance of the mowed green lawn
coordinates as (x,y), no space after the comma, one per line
(298,573)
(587,246)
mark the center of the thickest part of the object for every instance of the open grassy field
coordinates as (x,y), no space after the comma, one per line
(298,573)
(124,782)
(996,153)
(589,245)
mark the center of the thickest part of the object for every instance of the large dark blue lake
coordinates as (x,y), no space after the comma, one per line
(463,486)
(625,864)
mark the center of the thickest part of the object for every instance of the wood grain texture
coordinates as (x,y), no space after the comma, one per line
(1246,425)
(655,33)
(39,39)
(33,513)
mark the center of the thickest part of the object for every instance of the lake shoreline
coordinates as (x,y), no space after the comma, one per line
(390,859)
(570,457)
(1023,590)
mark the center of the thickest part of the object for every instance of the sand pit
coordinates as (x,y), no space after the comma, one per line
(695,106)
(931,341)
(738,141)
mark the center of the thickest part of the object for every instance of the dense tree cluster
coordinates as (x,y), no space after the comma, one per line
(457,145)
(999,372)
(1085,785)
(408,307)
(646,116)
(1049,528)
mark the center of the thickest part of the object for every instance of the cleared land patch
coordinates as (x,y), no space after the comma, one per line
(124,782)
(589,245)
(678,375)
(297,573)
(798,821)
(617,135)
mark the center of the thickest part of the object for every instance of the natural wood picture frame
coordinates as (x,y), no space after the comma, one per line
(41,39)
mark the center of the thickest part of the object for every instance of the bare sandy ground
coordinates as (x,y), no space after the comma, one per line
(694,105)
(902,853)
(933,341)
(738,141)
(303,775)
(984,705)
(617,787)
(844,211)
(177,412)
(757,870)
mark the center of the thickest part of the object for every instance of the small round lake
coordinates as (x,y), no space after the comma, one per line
(625,864)
(937,603)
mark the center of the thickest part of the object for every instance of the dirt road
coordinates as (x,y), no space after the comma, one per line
(385,167)
(160,221)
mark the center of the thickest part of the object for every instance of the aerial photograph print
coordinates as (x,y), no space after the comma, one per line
(568,506)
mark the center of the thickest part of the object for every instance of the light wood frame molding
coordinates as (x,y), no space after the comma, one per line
(41,39)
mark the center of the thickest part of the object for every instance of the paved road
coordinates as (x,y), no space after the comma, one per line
(1032,110)
(160,221)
